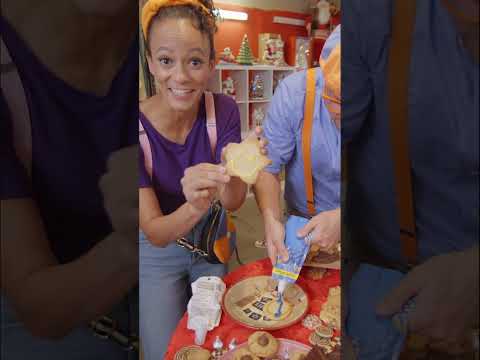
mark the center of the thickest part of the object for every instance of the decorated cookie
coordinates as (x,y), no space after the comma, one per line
(263,344)
(244,354)
(272,307)
(311,321)
(245,160)
(324,331)
(317,340)
(192,353)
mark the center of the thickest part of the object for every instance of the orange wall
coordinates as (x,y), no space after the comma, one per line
(230,32)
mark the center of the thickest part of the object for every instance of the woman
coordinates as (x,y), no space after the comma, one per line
(186,176)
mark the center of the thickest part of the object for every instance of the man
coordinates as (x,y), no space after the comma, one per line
(443,137)
(283,130)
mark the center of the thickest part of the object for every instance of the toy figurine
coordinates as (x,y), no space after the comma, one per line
(258,116)
(228,87)
(257,88)
(227,57)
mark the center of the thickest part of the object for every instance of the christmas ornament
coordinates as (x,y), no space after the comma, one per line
(258,116)
(257,87)
(228,87)
(227,57)
(245,56)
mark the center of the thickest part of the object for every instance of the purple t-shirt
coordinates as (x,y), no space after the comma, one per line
(73,134)
(171,159)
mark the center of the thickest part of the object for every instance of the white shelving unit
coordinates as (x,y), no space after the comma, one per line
(242,75)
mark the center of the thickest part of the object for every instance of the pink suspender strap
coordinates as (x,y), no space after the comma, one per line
(12,89)
(147,150)
(211,130)
(211,121)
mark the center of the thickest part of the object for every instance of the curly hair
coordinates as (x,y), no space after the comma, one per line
(203,22)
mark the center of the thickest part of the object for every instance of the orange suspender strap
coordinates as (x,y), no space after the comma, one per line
(307,140)
(403,22)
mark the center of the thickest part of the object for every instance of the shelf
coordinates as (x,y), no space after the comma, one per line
(242,75)
(254,67)
(258,100)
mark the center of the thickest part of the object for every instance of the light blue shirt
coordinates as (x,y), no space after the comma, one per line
(283,129)
(443,131)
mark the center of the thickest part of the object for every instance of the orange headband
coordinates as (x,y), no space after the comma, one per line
(152,7)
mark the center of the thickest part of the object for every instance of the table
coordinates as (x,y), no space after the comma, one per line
(317,291)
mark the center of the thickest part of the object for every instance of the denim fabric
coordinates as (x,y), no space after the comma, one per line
(18,344)
(376,337)
(165,278)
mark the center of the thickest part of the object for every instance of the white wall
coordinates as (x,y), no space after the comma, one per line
(299,6)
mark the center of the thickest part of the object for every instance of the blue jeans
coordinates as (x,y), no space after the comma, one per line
(376,337)
(165,278)
(18,344)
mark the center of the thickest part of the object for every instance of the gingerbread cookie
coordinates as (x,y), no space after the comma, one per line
(330,313)
(317,340)
(245,160)
(311,321)
(192,353)
(244,354)
(263,344)
(324,331)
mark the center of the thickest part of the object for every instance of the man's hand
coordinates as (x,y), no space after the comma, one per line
(446,297)
(201,183)
(325,228)
(275,239)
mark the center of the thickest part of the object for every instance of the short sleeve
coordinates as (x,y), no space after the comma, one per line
(228,119)
(144,179)
(357,86)
(14,182)
(279,128)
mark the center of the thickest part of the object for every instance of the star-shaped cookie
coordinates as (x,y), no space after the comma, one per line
(245,160)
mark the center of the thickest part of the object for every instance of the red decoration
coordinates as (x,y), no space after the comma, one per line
(317,291)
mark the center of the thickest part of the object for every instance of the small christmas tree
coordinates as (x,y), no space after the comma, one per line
(245,56)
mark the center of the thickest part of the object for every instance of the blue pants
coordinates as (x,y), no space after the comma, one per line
(165,278)
(376,337)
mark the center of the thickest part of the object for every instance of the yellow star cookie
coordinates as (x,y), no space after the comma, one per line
(245,160)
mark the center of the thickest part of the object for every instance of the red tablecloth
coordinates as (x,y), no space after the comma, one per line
(317,291)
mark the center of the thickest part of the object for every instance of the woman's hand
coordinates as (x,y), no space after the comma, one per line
(201,183)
